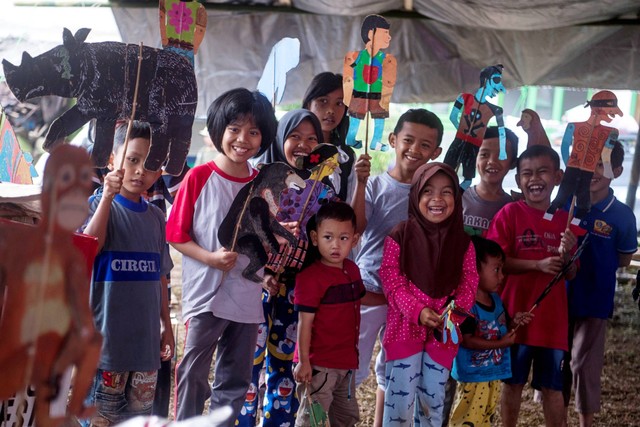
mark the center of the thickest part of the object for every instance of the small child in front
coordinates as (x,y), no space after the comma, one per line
(428,261)
(327,297)
(484,357)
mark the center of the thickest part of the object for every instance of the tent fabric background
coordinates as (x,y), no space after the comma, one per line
(436,60)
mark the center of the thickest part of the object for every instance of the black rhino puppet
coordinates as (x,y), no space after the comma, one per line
(102,77)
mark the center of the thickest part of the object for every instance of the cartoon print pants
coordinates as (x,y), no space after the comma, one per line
(274,349)
(476,404)
(119,396)
(415,388)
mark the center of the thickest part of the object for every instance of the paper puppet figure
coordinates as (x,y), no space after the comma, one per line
(284,56)
(369,76)
(531,124)
(470,115)
(182,26)
(15,165)
(250,225)
(46,323)
(102,78)
(589,141)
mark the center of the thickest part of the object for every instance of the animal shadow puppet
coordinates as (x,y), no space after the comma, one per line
(102,78)
(251,223)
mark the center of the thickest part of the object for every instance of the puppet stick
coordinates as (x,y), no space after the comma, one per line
(557,277)
(133,107)
(366,114)
(571,208)
(234,239)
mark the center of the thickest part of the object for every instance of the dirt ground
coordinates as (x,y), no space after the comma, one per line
(620,379)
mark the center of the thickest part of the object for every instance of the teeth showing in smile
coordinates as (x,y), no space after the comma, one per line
(300,154)
(536,189)
(239,150)
(436,210)
(411,158)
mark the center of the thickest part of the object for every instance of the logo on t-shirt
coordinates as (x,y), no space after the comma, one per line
(112,266)
(601,228)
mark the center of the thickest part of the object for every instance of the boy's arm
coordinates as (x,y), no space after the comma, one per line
(358,202)
(303,371)
(97,225)
(167,343)
(478,343)
(624,259)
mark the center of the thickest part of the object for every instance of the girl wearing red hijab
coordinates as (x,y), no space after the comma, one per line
(428,261)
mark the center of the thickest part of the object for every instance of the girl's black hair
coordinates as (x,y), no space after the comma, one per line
(236,104)
(486,248)
(321,85)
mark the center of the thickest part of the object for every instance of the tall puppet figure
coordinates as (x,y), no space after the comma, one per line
(45,320)
(182,26)
(590,142)
(369,78)
(476,113)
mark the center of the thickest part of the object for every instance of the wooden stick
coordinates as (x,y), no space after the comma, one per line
(571,209)
(133,106)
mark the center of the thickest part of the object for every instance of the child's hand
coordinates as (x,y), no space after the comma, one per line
(363,168)
(550,265)
(224,260)
(567,243)
(167,344)
(270,284)
(302,372)
(430,318)
(293,227)
(112,184)
(508,340)
(522,318)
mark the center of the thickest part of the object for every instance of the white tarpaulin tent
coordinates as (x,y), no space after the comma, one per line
(440,49)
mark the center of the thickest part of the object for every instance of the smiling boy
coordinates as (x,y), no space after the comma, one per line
(535,251)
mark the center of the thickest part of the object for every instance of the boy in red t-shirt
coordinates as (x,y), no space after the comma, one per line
(327,297)
(536,250)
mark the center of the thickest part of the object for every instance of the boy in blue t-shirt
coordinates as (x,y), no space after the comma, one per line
(128,284)
(612,242)
(483,358)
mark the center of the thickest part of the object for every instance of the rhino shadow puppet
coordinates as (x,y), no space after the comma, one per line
(257,226)
(102,78)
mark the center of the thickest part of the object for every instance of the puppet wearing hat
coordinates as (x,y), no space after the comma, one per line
(590,142)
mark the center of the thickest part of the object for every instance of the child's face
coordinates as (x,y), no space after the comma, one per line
(329,109)
(492,170)
(438,198)
(599,183)
(334,240)
(241,139)
(536,179)
(491,276)
(300,142)
(137,179)
(415,145)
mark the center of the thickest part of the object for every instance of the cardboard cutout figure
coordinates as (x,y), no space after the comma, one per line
(250,225)
(590,142)
(284,57)
(45,319)
(531,124)
(369,76)
(470,115)
(15,165)
(182,26)
(102,77)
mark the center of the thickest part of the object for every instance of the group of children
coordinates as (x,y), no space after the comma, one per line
(435,296)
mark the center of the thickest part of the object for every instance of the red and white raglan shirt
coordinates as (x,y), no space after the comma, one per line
(200,206)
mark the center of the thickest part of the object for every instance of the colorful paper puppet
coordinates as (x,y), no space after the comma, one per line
(102,78)
(284,56)
(369,76)
(15,165)
(45,319)
(530,122)
(470,115)
(589,141)
(182,26)
(250,224)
